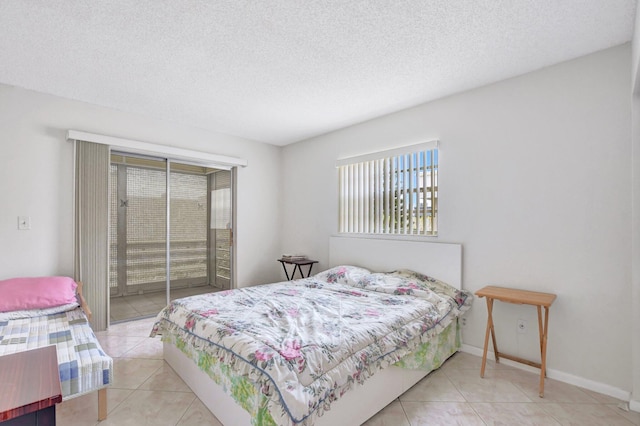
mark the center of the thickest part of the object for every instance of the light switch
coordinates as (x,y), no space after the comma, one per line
(24,223)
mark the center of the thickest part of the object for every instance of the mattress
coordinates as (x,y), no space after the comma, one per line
(84,366)
(286,351)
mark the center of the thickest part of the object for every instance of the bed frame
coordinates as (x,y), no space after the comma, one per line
(102,392)
(439,260)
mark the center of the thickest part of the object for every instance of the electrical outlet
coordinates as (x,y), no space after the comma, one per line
(463,321)
(24,223)
(522,326)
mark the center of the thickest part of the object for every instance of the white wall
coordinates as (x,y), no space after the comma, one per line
(535,177)
(635,295)
(635,43)
(36,180)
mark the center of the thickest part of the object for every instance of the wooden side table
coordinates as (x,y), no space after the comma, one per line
(30,387)
(297,265)
(521,297)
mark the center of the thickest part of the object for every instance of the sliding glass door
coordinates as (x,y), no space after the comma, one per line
(146,207)
(220,229)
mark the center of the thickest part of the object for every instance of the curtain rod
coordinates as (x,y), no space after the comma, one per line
(171,152)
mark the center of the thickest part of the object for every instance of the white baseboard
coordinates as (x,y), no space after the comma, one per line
(634,405)
(563,377)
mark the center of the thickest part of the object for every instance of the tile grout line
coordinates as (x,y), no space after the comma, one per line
(464,397)
(406,416)
(187,409)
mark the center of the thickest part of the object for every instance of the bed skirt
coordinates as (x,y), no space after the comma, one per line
(236,400)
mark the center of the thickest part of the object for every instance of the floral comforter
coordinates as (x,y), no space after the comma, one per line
(306,342)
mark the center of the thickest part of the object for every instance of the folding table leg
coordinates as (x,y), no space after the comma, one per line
(486,336)
(543,352)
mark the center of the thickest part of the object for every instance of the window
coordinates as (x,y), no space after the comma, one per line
(390,192)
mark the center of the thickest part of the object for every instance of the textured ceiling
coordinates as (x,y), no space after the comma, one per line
(285,70)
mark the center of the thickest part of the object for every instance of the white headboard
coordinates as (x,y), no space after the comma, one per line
(438,260)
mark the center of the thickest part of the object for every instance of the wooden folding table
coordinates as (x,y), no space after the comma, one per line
(521,297)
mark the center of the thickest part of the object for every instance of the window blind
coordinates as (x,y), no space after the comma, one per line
(390,192)
(91,227)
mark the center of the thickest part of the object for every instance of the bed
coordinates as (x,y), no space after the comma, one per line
(334,348)
(38,312)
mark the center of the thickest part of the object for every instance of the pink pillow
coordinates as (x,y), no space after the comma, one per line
(36,293)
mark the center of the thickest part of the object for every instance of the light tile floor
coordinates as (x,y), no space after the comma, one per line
(126,308)
(146,391)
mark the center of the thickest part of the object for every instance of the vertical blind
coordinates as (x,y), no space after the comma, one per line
(391,192)
(92,218)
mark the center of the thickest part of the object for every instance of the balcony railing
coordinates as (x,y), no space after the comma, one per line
(146,265)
